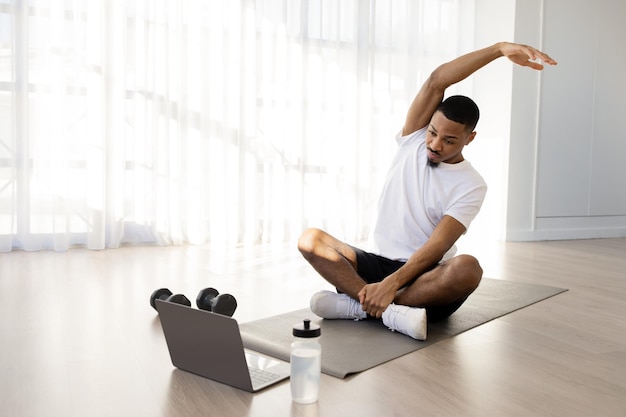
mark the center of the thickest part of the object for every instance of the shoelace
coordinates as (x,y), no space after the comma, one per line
(355,309)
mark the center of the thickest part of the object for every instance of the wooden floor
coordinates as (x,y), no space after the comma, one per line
(78,337)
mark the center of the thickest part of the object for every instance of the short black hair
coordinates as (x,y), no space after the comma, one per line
(460,109)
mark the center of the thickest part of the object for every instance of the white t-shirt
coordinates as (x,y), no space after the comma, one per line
(416,196)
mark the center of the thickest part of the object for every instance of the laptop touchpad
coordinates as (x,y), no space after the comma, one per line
(260,362)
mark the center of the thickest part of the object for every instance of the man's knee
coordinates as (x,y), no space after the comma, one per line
(468,272)
(309,241)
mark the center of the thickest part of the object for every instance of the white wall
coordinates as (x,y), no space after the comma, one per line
(567,175)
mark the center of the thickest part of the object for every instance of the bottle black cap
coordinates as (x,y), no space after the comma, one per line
(306,329)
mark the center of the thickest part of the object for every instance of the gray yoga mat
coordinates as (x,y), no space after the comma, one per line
(353,346)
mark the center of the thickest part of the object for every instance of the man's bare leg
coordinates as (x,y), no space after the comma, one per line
(447,283)
(334,260)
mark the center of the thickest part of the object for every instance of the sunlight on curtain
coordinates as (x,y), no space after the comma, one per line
(222,122)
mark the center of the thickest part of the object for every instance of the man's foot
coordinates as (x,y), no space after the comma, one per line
(410,321)
(330,305)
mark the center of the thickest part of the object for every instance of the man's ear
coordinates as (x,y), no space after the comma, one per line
(470,138)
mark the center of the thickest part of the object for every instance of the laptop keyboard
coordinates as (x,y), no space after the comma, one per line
(261,376)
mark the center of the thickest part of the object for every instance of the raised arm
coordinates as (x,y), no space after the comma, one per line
(432,91)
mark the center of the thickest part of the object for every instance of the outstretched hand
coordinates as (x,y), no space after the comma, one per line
(525,55)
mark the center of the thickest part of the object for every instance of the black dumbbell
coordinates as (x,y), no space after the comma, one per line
(166,295)
(211,300)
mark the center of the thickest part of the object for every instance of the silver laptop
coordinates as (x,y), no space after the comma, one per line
(209,345)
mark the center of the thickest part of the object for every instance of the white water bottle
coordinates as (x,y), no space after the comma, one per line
(306,362)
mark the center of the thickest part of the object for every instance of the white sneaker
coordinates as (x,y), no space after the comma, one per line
(330,305)
(410,321)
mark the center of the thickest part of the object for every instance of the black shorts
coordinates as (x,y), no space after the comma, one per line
(374,268)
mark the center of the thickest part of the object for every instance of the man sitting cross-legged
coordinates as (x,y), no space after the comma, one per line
(430,196)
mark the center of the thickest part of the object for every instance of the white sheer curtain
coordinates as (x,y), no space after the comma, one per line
(227,122)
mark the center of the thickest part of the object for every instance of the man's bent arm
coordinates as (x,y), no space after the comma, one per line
(431,94)
(447,232)
(379,295)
